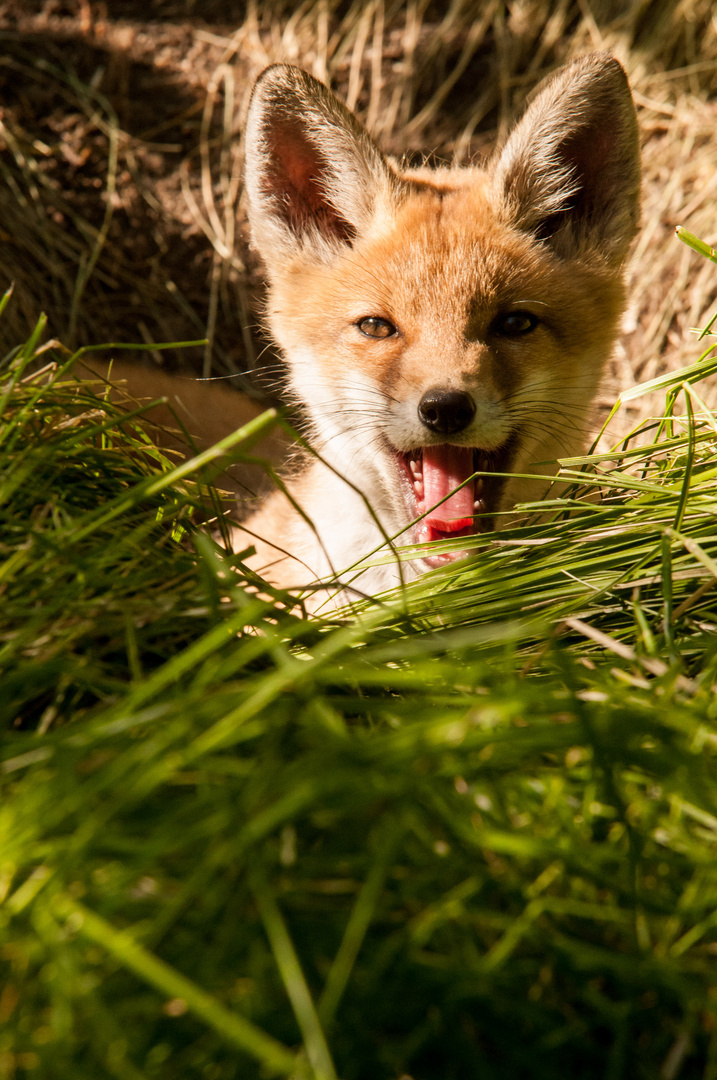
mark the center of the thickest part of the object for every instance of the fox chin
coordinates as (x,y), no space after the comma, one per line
(445,330)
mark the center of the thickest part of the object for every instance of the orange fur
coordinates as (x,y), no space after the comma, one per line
(445,330)
(209,411)
(436,323)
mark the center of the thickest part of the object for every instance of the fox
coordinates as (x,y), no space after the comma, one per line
(445,329)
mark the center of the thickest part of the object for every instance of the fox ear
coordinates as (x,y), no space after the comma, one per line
(314,176)
(570,170)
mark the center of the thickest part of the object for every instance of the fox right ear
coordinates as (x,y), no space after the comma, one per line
(569,172)
(314,176)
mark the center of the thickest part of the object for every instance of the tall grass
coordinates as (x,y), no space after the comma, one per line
(466,831)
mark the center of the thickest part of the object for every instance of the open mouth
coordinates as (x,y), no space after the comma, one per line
(444,489)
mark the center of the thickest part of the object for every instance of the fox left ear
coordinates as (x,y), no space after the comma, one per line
(314,176)
(569,172)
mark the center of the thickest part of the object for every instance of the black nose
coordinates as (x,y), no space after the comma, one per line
(446,411)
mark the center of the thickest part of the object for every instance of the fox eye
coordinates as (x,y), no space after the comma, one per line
(374,327)
(515,323)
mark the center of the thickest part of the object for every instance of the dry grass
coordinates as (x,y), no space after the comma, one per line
(121,201)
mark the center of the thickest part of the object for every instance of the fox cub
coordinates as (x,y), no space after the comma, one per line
(443,328)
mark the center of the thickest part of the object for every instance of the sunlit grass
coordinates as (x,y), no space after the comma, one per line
(469,831)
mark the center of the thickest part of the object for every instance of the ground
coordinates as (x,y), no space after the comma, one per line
(121,212)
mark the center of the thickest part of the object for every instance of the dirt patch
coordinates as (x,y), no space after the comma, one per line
(121,213)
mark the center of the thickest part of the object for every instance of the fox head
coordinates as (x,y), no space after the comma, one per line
(445,328)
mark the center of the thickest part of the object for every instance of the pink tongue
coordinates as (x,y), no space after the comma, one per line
(444,468)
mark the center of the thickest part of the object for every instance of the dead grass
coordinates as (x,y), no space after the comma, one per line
(121,160)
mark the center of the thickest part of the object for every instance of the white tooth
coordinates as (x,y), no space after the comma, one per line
(418,488)
(479,506)
(413,466)
(478,486)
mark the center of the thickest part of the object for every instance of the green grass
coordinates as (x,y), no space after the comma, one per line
(469,831)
